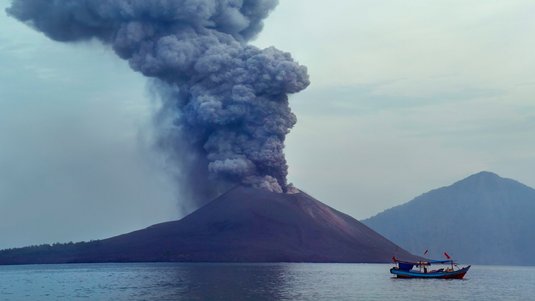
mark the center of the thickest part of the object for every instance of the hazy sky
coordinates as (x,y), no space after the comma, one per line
(406,96)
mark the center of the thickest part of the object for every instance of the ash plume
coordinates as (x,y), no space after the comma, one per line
(225,111)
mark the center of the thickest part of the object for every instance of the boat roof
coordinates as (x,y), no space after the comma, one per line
(428,262)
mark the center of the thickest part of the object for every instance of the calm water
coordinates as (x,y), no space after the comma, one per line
(255,282)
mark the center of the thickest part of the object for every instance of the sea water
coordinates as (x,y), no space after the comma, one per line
(283,281)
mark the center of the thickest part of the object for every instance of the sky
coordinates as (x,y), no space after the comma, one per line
(406,96)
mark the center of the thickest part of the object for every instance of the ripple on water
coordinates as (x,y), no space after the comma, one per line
(175,281)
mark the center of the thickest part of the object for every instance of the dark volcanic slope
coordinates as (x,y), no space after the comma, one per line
(482,219)
(246,225)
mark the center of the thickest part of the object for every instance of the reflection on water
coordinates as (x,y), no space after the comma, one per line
(205,281)
(228,282)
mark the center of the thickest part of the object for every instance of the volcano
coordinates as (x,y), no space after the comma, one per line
(242,225)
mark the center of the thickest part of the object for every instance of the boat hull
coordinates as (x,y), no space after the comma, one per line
(459,274)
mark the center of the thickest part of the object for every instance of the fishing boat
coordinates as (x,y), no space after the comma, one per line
(422,269)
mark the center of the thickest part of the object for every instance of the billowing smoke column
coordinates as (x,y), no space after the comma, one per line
(227,100)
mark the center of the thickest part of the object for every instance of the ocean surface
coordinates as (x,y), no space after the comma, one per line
(203,281)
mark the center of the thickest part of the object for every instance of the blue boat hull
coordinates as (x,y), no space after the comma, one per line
(459,274)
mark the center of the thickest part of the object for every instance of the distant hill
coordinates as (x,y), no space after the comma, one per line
(243,225)
(483,219)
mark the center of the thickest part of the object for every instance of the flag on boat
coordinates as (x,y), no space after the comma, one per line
(426,251)
(447,255)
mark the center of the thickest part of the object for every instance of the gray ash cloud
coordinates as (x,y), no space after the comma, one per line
(225,111)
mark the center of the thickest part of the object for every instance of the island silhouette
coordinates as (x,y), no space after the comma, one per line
(243,225)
